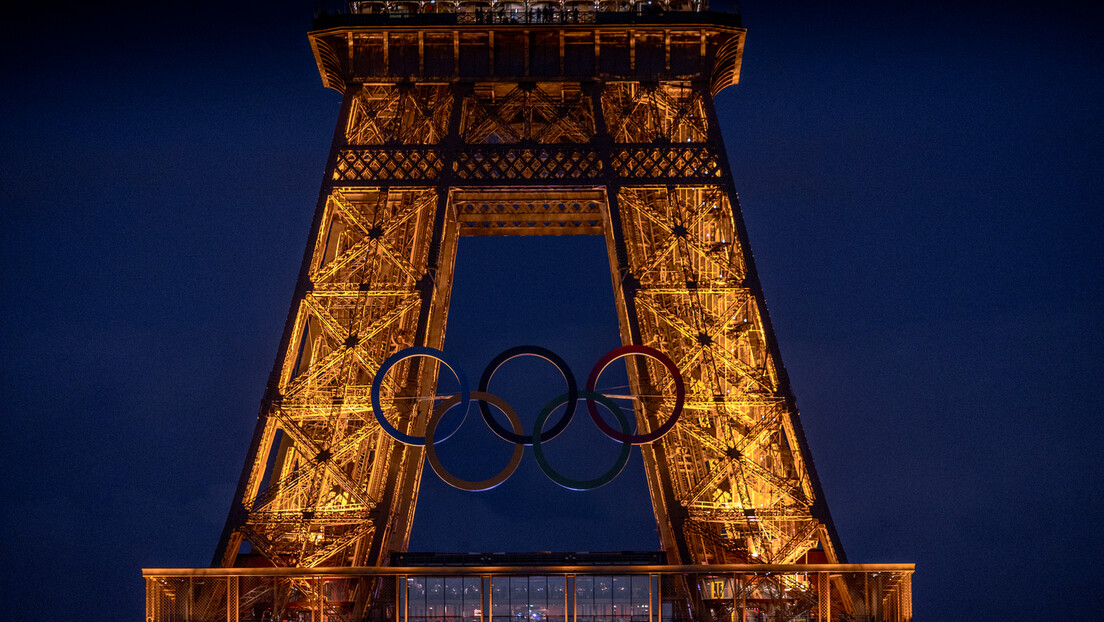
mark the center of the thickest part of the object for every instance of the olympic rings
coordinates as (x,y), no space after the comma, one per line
(574,484)
(624,437)
(377,383)
(551,357)
(443,473)
(539,434)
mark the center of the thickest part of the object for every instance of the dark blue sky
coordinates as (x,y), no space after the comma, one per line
(923,191)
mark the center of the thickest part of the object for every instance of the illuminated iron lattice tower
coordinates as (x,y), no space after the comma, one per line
(538,119)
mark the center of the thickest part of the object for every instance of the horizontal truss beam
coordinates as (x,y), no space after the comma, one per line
(528,166)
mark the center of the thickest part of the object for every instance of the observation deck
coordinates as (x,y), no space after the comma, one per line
(567,593)
(564,40)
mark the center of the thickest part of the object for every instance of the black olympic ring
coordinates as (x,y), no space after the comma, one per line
(539,434)
(551,357)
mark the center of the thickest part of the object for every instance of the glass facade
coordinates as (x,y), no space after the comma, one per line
(536,598)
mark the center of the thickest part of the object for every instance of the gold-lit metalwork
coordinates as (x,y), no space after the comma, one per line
(527,119)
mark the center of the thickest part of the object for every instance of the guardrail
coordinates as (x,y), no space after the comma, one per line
(731,592)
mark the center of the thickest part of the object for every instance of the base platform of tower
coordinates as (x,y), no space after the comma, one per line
(593,592)
(534,118)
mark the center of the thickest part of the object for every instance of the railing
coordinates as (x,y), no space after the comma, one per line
(413,7)
(731,593)
(524,12)
(519,15)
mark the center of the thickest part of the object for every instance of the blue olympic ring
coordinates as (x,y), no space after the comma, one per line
(539,435)
(377,383)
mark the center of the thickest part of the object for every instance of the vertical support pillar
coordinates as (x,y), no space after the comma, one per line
(277,608)
(743,600)
(735,601)
(399,598)
(567,599)
(906,597)
(659,597)
(490,596)
(876,597)
(231,599)
(651,600)
(824,597)
(866,593)
(485,613)
(151,600)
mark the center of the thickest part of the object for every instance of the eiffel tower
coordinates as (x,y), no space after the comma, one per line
(541,118)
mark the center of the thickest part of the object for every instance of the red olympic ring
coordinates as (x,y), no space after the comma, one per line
(680,394)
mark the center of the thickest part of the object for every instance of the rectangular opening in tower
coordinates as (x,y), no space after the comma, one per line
(532,286)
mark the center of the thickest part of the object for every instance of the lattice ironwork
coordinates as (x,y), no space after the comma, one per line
(527,164)
(323,466)
(527,112)
(390,165)
(520,212)
(735,465)
(675,163)
(657,112)
(406,114)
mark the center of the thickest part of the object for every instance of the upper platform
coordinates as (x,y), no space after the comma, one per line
(480,40)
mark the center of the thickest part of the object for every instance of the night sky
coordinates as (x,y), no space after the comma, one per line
(922,185)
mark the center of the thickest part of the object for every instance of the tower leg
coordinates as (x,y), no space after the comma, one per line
(732,482)
(324,485)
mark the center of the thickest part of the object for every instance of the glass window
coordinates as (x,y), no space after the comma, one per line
(473,599)
(519,598)
(500,599)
